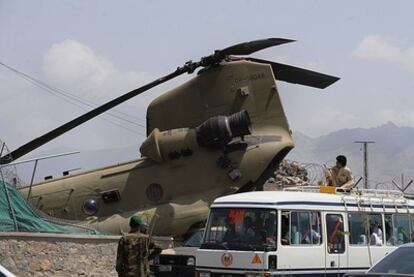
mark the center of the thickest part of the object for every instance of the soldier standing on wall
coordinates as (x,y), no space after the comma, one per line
(135,250)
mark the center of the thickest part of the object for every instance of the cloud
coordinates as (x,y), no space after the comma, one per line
(75,66)
(375,47)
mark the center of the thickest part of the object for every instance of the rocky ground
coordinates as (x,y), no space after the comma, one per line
(58,258)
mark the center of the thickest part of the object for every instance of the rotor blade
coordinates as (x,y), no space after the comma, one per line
(32,145)
(297,75)
(247,48)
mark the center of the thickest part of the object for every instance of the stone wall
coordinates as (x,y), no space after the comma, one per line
(28,254)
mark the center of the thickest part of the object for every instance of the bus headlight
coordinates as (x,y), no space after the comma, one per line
(191,261)
(204,274)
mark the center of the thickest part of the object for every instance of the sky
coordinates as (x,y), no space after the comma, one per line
(98,50)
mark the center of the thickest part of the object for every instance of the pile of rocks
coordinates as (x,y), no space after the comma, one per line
(289,173)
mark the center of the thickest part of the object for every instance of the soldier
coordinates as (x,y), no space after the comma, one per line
(135,250)
(340,175)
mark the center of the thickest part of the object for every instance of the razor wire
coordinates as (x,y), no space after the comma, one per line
(303,173)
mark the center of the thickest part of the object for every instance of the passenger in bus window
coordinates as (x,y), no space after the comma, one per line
(403,236)
(389,230)
(248,232)
(335,231)
(312,237)
(401,224)
(285,239)
(270,228)
(259,230)
(376,235)
(295,234)
(316,228)
(412,228)
(231,234)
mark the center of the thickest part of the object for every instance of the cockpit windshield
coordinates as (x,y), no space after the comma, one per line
(241,229)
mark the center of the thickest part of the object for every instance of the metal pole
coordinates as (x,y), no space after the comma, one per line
(2,148)
(6,191)
(40,158)
(31,180)
(366,165)
(365,145)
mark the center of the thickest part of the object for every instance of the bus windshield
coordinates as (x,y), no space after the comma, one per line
(241,229)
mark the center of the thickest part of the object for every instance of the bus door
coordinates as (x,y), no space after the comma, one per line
(336,258)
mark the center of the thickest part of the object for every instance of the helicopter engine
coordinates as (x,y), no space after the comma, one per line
(214,133)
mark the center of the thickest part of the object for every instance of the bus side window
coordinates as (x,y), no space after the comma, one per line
(365,228)
(375,229)
(398,229)
(401,224)
(301,228)
(412,227)
(335,232)
(285,238)
(389,234)
(358,235)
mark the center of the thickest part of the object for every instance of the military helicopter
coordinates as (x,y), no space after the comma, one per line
(224,131)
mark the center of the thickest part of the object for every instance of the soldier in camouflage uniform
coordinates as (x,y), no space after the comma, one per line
(135,250)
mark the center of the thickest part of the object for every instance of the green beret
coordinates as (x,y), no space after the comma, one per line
(135,221)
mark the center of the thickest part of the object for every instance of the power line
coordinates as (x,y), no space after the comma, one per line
(365,145)
(75,100)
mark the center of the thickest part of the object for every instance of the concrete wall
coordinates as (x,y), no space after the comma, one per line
(31,254)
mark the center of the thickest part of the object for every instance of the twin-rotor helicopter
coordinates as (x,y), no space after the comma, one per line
(224,131)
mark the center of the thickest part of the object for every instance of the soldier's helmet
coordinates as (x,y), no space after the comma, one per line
(135,221)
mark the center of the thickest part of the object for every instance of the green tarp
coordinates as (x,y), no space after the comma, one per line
(28,220)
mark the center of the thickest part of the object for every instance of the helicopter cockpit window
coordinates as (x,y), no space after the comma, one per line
(90,206)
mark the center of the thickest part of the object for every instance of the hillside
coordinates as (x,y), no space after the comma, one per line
(390,155)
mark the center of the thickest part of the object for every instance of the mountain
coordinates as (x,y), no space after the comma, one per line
(390,155)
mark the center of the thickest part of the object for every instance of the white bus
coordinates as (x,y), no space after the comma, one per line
(303,232)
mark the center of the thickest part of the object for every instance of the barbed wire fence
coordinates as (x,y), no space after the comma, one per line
(293,173)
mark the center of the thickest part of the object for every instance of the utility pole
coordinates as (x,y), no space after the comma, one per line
(365,144)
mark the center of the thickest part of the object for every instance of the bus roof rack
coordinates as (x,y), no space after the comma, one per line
(354,191)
